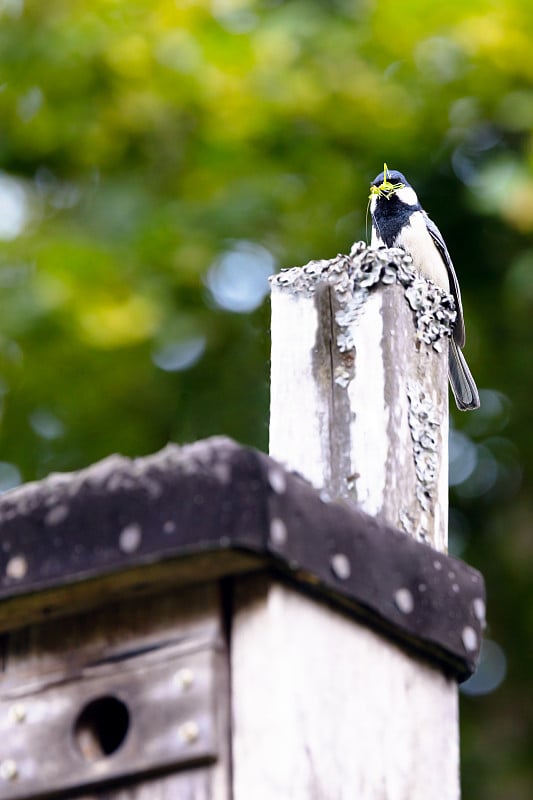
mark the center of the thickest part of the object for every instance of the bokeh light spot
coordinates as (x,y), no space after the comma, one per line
(491,671)
(462,457)
(14,209)
(180,355)
(45,424)
(238,280)
(10,476)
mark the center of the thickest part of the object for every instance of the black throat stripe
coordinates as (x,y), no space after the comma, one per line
(390,216)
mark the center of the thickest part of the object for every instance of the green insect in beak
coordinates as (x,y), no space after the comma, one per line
(385,189)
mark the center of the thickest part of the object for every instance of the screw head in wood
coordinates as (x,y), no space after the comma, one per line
(189,731)
(185,678)
(17,713)
(8,769)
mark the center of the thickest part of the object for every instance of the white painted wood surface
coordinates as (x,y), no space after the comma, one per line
(324,708)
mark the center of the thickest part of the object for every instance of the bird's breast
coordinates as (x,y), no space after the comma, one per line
(416,240)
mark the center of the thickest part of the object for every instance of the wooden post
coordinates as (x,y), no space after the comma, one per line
(324,707)
(359,389)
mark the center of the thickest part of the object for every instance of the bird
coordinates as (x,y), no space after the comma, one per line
(398,220)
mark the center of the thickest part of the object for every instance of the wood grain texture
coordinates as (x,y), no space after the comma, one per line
(324,708)
(82,595)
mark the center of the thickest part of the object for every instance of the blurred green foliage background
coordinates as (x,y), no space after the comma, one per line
(159,158)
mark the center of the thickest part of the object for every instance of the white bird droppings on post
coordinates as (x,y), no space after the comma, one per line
(404,601)
(169,527)
(56,515)
(17,567)
(130,538)
(277,480)
(469,638)
(340,566)
(278,532)
(478,606)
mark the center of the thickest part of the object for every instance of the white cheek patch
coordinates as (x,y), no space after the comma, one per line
(407,195)
(416,240)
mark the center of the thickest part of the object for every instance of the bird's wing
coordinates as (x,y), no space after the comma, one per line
(459,328)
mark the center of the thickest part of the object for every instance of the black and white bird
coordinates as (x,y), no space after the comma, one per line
(398,220)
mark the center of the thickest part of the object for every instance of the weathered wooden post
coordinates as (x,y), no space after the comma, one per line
(359,390)
(203,623)
(324,707)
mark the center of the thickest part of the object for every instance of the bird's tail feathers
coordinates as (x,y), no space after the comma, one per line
(463,385)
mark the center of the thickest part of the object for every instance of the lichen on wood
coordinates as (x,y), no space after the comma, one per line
(354,276)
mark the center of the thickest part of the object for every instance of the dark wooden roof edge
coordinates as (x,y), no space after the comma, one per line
(215,495)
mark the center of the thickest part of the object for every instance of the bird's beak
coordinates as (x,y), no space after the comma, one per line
(385,189)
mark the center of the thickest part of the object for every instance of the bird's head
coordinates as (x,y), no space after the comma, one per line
(387,183)
(390,183)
